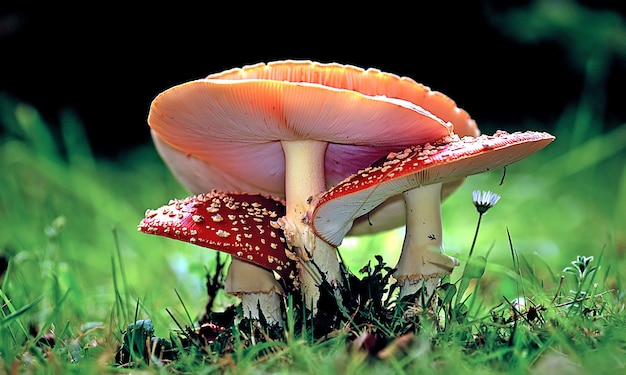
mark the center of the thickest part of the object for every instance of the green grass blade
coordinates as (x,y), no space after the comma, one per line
(16,313)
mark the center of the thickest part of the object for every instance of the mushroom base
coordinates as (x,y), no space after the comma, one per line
(411,284)
(430,280)
(431,263)
(257,288)
(324,267)
(269,303)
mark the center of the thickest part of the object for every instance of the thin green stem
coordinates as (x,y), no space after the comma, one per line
(480,216)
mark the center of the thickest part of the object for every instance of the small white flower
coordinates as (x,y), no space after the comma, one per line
(484,200)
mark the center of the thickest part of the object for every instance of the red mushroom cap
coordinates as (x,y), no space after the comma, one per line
(438,162)
(242,225)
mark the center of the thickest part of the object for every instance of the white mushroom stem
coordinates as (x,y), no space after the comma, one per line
(304,178)
(257,288)
(422,261)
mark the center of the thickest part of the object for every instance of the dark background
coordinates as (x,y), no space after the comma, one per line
(108,62)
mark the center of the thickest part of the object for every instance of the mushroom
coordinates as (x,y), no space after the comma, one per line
(242,225)
(199,176)
(418,173)
(291,129)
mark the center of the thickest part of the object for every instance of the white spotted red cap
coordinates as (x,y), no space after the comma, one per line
(242,225)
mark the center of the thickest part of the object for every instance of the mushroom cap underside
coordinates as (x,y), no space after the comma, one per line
(450,159)
(237,126)
(391,213)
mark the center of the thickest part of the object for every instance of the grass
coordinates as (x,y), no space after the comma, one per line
(78,273)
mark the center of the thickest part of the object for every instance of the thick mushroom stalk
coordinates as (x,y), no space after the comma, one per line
(242,225)
(422,260)
(418,173)
(318,261)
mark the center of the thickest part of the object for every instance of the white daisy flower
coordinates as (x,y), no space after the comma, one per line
(484,200)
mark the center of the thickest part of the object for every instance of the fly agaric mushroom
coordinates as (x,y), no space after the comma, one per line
(418,173)
(242,225)
(291,129)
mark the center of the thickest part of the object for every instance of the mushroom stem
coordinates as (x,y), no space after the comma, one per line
(258,290)
(304,178)
(422,261)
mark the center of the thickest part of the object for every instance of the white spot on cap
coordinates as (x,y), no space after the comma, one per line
(222,233)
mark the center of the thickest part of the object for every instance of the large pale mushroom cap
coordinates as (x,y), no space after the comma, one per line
(234,122)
